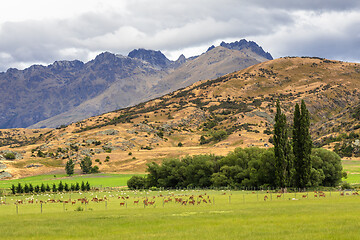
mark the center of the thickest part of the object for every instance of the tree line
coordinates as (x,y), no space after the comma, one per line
(42,188)
(291,163)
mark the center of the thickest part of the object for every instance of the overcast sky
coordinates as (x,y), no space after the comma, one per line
(43,31)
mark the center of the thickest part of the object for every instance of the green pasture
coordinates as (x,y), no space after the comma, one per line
(352,167)
(228,215)
(95,180)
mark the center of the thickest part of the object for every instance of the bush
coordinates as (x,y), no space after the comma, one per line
(95,169)
(10,156)
(346,185)
(136,182)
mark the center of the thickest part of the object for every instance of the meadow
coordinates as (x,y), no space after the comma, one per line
(95,180)
(223,215)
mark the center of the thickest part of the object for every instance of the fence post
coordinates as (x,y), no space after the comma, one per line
(229,199)
(17,209)
(41,207)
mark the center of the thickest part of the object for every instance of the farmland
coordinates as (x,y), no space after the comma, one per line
(228,215)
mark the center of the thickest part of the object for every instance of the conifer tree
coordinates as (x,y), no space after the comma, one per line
(26,188)
(69,167)
(19,188)
(31,188)
(13,189)
(302,145)
(60,187)
(42,187)
(54,188)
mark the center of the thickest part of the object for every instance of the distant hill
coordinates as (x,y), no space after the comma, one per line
(209,116)
(69,91)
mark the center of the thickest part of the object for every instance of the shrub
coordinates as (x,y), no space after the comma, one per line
(136,182)
(10,156)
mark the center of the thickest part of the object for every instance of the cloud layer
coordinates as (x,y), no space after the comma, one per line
(43,32)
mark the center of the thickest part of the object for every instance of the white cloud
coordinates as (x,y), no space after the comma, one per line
(42,31)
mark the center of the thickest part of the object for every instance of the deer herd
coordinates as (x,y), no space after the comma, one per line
(181,200)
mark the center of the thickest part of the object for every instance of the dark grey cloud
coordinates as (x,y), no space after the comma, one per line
(318,28)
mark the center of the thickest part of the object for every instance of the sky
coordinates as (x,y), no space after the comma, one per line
(44,31)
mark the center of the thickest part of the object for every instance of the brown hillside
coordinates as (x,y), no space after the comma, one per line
(235,110)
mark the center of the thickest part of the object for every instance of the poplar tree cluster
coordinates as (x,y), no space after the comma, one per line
(292,159)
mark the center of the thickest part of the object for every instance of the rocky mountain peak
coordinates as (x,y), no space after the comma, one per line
(243,44)
(155,58)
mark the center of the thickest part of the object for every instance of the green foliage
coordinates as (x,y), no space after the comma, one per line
(180,144)
(249,167)
(69,167)
(13,189)
(95,169)
(42,188)
(9,156)
(302,145)
(60,187)
(40,154)
(85,165)
(19,188)
(136,182)
(191,171)
(283,163)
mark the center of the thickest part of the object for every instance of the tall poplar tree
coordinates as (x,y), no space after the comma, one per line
(281,149)
(302,145)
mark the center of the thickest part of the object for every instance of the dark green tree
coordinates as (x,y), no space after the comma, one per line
(48,188)
(19,188)
(69,167)
(85,164)
(61,187)
(136,182)
(66,187)
(31,188)
(37,189)
(77,186)
(83,187)
(54,188)
(302,145)
(281,149)
(13,189)
(42,188)
(26,188)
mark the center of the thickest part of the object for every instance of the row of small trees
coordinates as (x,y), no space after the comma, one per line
(61,187)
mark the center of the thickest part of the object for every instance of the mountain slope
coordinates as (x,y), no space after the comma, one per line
(73,90)
(210,116)
(139,87)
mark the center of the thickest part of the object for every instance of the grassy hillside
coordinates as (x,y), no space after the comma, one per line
(236,110)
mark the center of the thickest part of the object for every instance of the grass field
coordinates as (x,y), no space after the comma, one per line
(95,180)
(235,215)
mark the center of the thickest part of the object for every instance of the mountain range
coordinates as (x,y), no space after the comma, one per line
(207,117)
(69,91)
